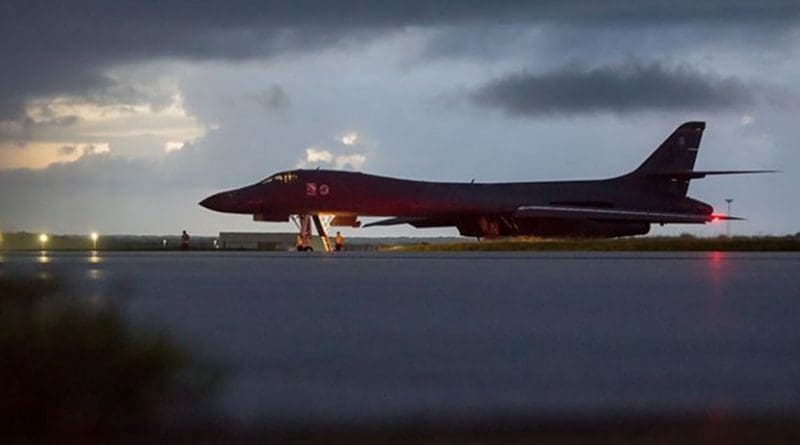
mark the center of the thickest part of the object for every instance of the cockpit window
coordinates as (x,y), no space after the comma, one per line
(285,177)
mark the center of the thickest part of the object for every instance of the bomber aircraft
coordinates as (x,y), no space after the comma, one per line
(653,193)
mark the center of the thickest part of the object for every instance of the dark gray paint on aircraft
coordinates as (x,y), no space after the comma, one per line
(655,192)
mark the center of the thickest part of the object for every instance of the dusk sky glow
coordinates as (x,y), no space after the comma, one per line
(119,117)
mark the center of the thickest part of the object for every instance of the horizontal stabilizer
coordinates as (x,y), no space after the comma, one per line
(564,212)
(725,218)
(697,174)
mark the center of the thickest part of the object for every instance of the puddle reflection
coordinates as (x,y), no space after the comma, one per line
(44,276)
(716,263)
(95,274)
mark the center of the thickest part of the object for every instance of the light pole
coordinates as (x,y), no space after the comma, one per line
(728,222)
(94,237)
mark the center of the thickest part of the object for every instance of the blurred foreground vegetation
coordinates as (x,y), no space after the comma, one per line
(683,243)
(72,369)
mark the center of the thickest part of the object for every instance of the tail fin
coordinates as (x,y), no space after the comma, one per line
(676,154)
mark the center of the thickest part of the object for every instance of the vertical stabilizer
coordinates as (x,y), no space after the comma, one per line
(668,166)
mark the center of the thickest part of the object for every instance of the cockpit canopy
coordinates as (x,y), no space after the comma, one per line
(281,178)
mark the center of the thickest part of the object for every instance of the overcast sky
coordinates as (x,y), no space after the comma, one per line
(119,117)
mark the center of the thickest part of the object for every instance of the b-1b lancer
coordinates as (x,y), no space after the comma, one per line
(653,193)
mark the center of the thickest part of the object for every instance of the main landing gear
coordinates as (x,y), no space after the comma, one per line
(303,223)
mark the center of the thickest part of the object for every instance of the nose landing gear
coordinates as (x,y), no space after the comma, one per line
(303,223)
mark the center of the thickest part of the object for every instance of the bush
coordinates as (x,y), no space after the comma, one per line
(69,369)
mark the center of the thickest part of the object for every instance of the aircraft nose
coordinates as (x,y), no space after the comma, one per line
(213,202)
(229,201)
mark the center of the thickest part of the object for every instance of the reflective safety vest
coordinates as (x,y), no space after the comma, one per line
(339,239)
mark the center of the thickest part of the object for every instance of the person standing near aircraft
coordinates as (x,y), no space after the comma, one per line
(185,241)
(339,242)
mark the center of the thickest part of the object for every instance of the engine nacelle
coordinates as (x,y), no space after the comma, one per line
(580,228)
(490,226)
(485,227)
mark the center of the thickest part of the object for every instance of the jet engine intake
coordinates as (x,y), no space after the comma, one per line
(485,226)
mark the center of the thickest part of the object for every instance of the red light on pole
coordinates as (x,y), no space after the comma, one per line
(728,228)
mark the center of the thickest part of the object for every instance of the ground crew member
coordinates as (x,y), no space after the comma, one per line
(298,243)
(184,241)
(339,241)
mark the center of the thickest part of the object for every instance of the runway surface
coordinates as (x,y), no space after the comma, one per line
(387,337)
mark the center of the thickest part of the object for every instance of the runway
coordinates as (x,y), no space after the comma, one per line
(386,337)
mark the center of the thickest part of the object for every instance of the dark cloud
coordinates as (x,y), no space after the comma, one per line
(559,42)
(91,149)
(67,150)
(26,127)
(620,89)
(274,98)
(64,47)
